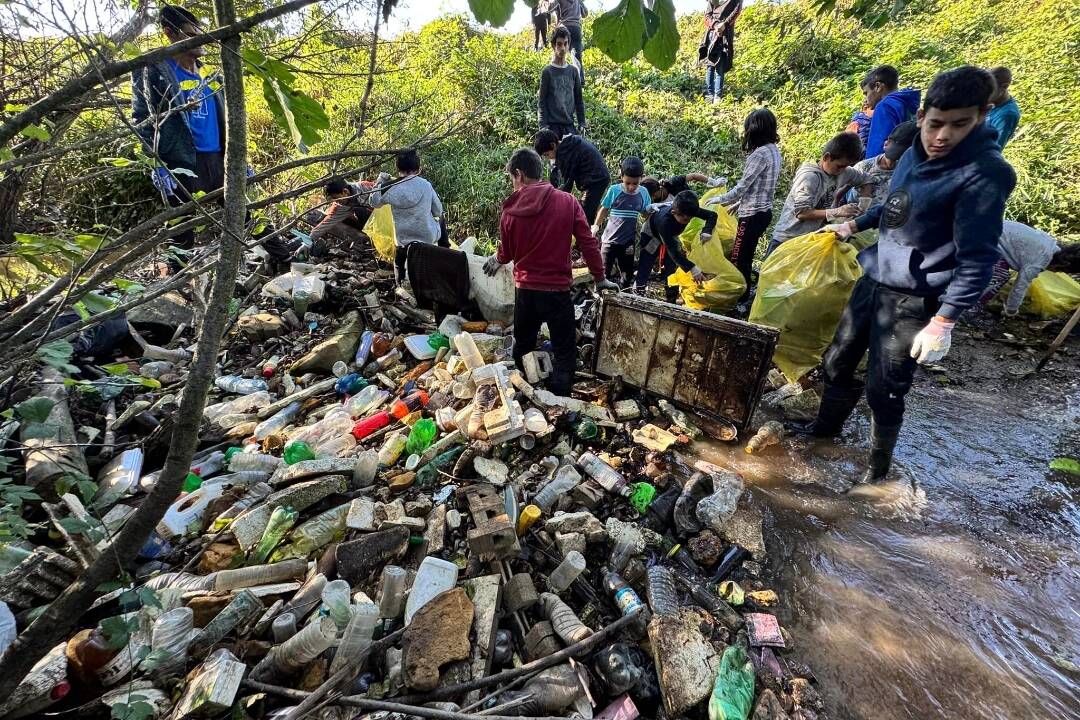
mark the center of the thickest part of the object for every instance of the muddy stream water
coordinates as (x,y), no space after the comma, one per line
(952,592)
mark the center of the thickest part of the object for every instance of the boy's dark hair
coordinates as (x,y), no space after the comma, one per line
(172,17)
(544,141)
(887,75)
(962,87)
(632,167)
(527,161)
(336,187)
(759,129)
(651,184)
(1002,75)
(845,146)
(686,203)
(561,33)
(408,161)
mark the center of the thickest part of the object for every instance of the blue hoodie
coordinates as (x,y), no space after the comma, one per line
(897,107)
(941,222)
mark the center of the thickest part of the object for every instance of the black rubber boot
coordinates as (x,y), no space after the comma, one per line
(882,443)
(837,404)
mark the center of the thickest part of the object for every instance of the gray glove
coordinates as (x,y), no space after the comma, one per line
(606,285)
(492,266)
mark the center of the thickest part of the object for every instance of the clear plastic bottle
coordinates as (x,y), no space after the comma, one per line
(284,627)
(364,349)
(270,366)
(388,360)
(254,461)
(771,433)
(336,597)
(367,465)
(238,405)
(228,422)
(336,446)
(278,421)
(392,592)
(608,477)
(434,576)
(565,480)
(470,354)
(296,652)
(625,548)
(563,576)
(661,592)
(564,620)
(340,369)
(241,385)
(357,637)
(366,400)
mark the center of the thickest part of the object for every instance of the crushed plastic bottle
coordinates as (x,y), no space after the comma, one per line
(297,452)
(421,436)
(661,591)
(771,433)
(241,385)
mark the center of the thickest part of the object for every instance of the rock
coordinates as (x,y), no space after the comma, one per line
(206,607)
(706,548)
(435,533)
(494,471)
(307,469)
(484,592)
(567,542)
(744,528)
(438,634)
(616,529)
(627,410)
(768,707)
(401,483)
(357,558)
(361,515)
(170,310)
(339,346)
(249,526)
(261,326)
(419,507)
(578,522)
(805,696)
(686,662)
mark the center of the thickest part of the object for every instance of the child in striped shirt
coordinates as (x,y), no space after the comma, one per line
(621,207)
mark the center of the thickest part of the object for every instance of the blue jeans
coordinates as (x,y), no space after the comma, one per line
(714,82)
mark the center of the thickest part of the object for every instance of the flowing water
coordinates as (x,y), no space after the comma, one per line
(958,598)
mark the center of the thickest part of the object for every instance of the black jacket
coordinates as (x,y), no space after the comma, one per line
(155,94)
(579,161)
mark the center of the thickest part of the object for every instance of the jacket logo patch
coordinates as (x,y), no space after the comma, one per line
(897,208)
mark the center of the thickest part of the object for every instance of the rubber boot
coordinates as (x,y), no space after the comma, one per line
(837,404)
(882,442)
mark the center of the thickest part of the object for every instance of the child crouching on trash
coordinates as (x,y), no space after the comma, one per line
(663,227)
(1026,250)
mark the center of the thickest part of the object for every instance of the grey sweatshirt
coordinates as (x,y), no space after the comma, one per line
(811,189)
(570,12)
(416,208)
(1028,251)
(560,101)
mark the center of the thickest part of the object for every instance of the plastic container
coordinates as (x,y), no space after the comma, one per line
(409,404)
(188,510)
(563,576)
(535,422)
(392,592)
(240,385)
(364,349)
(527,518)
(337,597)
(661,592)
(434,576)
(469,352)
(367,465)
(277,422)
(419,347)
(297,651)
(284,627)
(357,637)
(121,475)
(366,400)
(771,433)
(608,477)
(254,461)
(237,406)
(338,446)
(421,436)
(566,479)
(392,448)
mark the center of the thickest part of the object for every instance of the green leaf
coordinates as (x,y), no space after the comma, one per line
(1066,465)
(58,354)
(117,369)
(35,132)
(80,309)
(149,382)
(128,287)
(297,113)
(496,12)
(40,431)
(97,303)
(75,526)
(117,630)
(35,409)
(662,47)
(618,32)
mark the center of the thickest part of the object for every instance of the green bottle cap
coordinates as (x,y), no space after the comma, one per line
(642,496)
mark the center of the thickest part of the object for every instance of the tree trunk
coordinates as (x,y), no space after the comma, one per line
(56,623)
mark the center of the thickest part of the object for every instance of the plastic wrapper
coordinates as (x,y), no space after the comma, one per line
(380,228)
(802,291)
(733,692)
(1052,295)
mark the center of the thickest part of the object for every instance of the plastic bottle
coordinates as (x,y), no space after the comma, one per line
(421,436)
(674,551)
(566,479)
(388,360)
(270,366)
(626,599)
(380,344)
(364,401)
(568,570)
(409,404)
(296,652)
(336,596)
(364,350)
(306,290)
(466,348)
(617,667)
(586,429)
(392,448)
(240,385)
(708,600)
(370,424)
(238,405)
(337,446)
(564,620)
(191,483)
(681,419)
(527,518)
(433,577)
(661,592)
(277,422)
(625,548)
(350,384)
(535,422)
(340,369)
(771,433)
(254,461)
(731,560)
(608,477)
(281,521)
(392,592)
(367,465)
(357,637)
(297,452)
(284,627)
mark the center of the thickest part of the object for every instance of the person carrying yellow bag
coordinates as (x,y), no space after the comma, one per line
(663,229)
(717,293)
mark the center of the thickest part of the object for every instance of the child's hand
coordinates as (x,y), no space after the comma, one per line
(595,230)
(697,275)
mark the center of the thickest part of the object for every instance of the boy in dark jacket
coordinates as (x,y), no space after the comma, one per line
(664,227)
(890,106)
(939,228)
(577,162)
(560,102)
(535,232)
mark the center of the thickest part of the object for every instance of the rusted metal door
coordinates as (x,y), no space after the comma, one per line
(708,364)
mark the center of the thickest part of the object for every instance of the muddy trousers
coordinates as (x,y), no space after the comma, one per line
(532,309)
(884,322)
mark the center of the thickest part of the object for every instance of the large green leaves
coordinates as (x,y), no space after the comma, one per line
(496,12)
(619,33)
(296,112)
(663,43)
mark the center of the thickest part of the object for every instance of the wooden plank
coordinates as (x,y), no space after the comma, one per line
(666,355)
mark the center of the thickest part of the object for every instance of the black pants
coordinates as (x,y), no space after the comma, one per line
(590,200)
(885,322)
(209,176)
(748,235)
(540,28)
(646,261)
(577,45)
(619,263)
(556,308)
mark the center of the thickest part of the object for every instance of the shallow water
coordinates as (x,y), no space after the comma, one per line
(953,592)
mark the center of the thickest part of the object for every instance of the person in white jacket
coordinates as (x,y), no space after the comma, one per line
(1026,250)
(415,204)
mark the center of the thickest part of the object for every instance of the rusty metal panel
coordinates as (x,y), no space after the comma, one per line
(709,364)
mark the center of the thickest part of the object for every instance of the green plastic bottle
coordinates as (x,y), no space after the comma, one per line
(421,436)
(281,522)
(298,452)
(428,475)
(230,452)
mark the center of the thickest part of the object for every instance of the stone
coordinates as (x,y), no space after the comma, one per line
(577,522)
(566,542)
(393,515)
(341,346)
(493,471)
(206,607)
(437,635)
(170,310)
(261,326)
(435,533)
(249,526)
(307,469)
(744,528)
(419,507)
(453,519)
(361,515)
(357,558)
(686,662)
(804,695)
(401,483)
(541,641)
(768,707)
(484,591)
(627,410)
(706,548)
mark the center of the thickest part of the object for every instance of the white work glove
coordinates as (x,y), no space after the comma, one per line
(715,182)
(382,179)
(844,230)
(163,181)
(705,237)
(492,266)
(606,285)
(933,341)
(595,230)
(695,272)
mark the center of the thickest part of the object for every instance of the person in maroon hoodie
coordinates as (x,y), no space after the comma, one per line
(535,231)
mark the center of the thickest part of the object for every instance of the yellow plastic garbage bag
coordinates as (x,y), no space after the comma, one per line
(802,290)
(380,228)
(716,294)
(1052,295)
(726,224)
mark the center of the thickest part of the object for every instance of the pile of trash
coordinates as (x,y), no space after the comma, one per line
(387,516)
